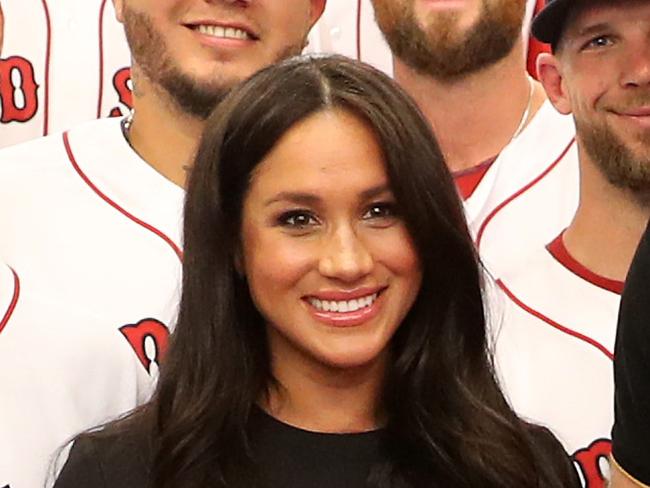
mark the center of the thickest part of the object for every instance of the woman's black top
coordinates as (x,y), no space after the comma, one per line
(631,432)
(285,456)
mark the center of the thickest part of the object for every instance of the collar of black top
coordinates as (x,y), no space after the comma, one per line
(549,22)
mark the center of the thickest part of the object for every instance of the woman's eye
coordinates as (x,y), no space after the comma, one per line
(297,219)
(381,211)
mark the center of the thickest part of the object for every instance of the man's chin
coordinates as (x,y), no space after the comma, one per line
(194,97)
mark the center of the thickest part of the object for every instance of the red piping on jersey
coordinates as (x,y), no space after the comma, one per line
(12,304)
(46,108)
(468,180)
(113,204)
(552,323)
(359,2)
(101,58)
(561,254)
(518,193)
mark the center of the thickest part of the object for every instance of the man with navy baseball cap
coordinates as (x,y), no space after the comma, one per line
(549,23)
(559,326)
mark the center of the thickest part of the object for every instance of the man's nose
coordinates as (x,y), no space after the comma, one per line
(636,69)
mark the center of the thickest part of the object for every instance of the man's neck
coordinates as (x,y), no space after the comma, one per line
(162,135)
(607,227)
(476,117)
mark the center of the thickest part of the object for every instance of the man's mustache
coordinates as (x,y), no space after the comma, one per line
(638,102)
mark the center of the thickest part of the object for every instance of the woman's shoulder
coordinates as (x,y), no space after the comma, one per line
(116,456)
(558,471)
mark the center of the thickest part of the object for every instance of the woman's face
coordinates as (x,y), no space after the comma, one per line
(328,260)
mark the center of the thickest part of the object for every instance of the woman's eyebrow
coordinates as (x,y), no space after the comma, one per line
(375,191)
(306,198)
(302,198)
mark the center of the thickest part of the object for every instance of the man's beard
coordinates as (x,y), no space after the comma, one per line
(441,51)
(622,167)
(192,96)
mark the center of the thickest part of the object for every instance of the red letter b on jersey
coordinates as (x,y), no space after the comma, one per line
(18,90)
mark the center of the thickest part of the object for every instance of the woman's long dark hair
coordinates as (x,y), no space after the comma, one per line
(448,423)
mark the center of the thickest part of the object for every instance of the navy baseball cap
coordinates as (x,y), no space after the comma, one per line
(548,24)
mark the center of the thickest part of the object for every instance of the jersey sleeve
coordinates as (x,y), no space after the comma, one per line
(631,432)
(82,469)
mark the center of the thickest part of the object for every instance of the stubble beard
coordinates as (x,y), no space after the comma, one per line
(622,166)
(440,51)
(150,53)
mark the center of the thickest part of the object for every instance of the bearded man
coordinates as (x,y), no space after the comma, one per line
(464,63)
(91,223)
(555,348)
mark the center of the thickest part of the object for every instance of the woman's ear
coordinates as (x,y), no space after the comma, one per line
(239,264)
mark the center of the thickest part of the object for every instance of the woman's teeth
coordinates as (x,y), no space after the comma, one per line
(343,306)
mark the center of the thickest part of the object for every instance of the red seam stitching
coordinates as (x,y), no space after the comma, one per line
(128,215)
(555,325)
(359,30)
(46,114)
(101,58)
(12,304)
(517,194)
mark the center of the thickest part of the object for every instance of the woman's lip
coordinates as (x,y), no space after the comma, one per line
(347,319)
(340,295)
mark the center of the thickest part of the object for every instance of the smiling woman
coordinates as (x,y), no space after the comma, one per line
(332,329)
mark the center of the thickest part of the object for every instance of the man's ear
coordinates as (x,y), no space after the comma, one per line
(119,10)
(549,71)
(317,9)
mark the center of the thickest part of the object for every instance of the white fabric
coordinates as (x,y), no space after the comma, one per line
(66,359)
(556,377)
(509,221)
(76,48)
(62,371)
(66,37)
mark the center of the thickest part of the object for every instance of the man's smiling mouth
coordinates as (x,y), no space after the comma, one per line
(223,32)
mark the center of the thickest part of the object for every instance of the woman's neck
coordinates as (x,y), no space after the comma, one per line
(318,398)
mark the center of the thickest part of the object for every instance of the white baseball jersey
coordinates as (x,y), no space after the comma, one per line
(96,230)
(66,61)
(554,353)
(529,194)
(63,62)
(71,63)
(62,370)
